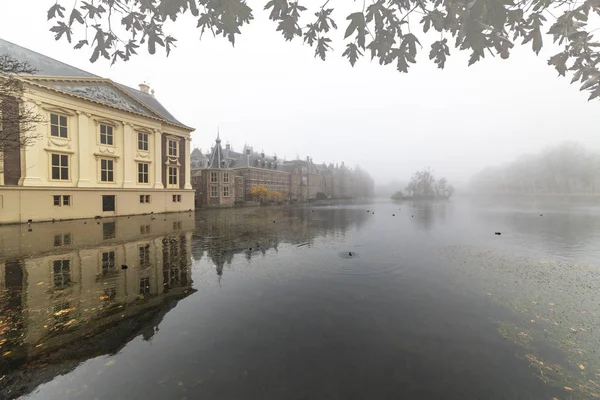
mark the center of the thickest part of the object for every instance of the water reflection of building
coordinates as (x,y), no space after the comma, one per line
(221,235)
(64,299)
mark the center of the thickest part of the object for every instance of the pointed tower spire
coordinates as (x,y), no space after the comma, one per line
(217,160)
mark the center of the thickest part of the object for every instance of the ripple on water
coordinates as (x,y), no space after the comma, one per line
(352,264)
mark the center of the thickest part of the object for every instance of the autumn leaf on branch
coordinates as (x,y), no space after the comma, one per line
(387,29)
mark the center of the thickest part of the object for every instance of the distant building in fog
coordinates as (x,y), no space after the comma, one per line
(225,177)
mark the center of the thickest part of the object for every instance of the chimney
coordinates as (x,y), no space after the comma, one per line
(228,146)
(307,159)
(144,87)
(152,93)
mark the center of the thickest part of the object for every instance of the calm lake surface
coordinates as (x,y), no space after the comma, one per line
(357,301)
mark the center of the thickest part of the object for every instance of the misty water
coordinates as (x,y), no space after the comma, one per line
(348,301)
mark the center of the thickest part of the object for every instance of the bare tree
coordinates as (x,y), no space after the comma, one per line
(17,121)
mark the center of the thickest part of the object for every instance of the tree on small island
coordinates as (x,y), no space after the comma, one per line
(398,195)
(423,185)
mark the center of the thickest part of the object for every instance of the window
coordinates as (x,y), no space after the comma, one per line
(108,203)
(62,240)
(213,191)
(173,175)
(108,230)
(61,200)
(106,134)
(144,198)
(225,191)
(107,172)
(142,141)
(108,262)
(144,255)
(176,198)
(172,148)
(60,167)
(142,172)
(145,286)
(58,126)
(144,229)
(225,177)
(62,273)
(213,177)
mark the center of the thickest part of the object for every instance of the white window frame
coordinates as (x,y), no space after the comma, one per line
(214,191)
(169,141)
(59,125)
(60,167)
(226,188)
(226,177)
(169,175)
(146,173)
(107,170)
(141,142)
(112,134)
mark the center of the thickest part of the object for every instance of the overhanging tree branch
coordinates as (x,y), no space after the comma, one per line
(475,25)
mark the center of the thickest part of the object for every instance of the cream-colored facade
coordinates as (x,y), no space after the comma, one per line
(100,139)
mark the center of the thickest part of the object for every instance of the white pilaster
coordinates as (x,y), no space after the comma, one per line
(84,150)
(33,155)
(128,152)
(187,166)
(158,162)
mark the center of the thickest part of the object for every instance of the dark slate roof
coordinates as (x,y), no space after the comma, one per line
(43,64)
(151,102)
(287,167)
(217,156)
(197,153)
(47,66)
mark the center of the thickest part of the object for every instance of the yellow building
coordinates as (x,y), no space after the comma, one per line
(104,149)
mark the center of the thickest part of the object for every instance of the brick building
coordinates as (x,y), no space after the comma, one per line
(225,177)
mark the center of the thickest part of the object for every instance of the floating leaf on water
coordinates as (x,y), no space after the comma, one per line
(6,353)
(40,283)
(581,367)
(568,388)
(111,362)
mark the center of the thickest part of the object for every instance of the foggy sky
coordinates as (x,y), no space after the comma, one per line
(274,95)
